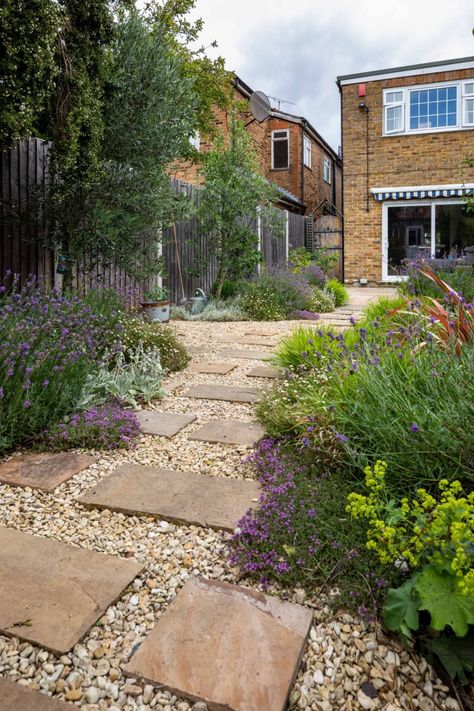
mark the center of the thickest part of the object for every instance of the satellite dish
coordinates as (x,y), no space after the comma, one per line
(260,106)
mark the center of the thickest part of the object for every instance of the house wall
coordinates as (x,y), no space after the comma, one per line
(397,160)
(309,188)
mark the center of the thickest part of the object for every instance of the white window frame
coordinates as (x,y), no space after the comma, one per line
(465,98)
(307,151)
(281,138)
(195,140)
(461,108)
(327,170)
(410,203)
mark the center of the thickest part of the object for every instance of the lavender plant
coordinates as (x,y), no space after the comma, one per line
(48,344)
(108,426)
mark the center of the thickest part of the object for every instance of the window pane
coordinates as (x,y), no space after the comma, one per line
(469,88)
(280,154)
(469,118)
(409,234)
(280,134)
(393,97)
(454,230)
(394,118)
(433,108)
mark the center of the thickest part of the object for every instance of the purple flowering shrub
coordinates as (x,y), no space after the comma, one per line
(300,533)
(108,426)
(461,280)
(48,344)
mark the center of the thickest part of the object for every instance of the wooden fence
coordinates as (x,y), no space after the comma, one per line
(188,260)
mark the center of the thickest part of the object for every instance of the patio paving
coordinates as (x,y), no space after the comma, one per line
(229,432)
(163,424)
(181,497)
(52,593)
(229,393)
(246,355)
(264,371)
(43,471)
(234,648)
(211,368)
(15,697)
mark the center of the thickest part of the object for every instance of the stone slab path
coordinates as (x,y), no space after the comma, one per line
(232,647)
(228,393)
(252,341)
(52,593)
(264,371)
(211,368)
(246,355)
(237,432)
(180,497)
(15,697)
(43,471)
(164,424)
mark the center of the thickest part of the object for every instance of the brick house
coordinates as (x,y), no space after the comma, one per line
(406,133)
(291,153)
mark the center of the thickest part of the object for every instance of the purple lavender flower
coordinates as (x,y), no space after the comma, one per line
(414,427)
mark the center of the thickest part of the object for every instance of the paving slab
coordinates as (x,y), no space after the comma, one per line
(171,384)
(43,471)
(247,354)
(181,497)
(263,333)
(252,341)
(264,371)
(229,393)
(53,593)
(214,368)
(15,697)
(234,648)
(164,424)
(229,432)
(197,350)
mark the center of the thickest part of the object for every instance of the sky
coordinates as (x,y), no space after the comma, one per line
(295,49)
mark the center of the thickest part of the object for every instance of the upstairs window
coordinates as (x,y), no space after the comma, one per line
(421,109)
(468,104)
(307,151)
(280,149)
(327,170)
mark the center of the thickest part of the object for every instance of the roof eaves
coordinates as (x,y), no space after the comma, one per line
(414,68)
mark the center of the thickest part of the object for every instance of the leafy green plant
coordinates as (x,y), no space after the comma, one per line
(433,539)
(325,258)
(298,258)
(322,301)
(341,295)
(230,310)
(134,377)
(152,335)
(306,348)
(157,294)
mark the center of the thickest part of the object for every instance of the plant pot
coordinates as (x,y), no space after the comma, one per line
(157,310)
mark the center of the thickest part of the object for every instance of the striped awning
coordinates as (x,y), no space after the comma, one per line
(420,193)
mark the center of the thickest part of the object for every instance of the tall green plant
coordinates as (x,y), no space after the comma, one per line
(233,193)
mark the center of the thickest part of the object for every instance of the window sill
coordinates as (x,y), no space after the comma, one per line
(423,132)
(278,170)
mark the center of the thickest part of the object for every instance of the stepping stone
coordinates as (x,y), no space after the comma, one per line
(15,697)
(171,384)
(229,432)
(264,371)
(181,497)
(232,647)
(250,355)
(164,424)
(215,368)
(43,471)
(197,350)
(252,341)
(229,393)
(52,593)
(263,333)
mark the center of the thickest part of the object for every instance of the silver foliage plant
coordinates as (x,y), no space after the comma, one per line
(134,377)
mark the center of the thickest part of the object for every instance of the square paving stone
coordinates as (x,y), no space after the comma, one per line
(215,368)
(53,593)
(43,471)
(15,697)
(229,393)
(229,432)
(181,497)
(252,341)
(264,371)
(232,647)
(164,424)
(246,355)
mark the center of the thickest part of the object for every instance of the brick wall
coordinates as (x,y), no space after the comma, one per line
(406,160)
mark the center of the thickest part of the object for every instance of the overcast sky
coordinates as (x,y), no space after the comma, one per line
(294,49)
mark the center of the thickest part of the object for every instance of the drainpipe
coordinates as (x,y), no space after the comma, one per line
(302,160)
(342,191)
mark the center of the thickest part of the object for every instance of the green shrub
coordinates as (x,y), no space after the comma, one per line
(152,334)
(321,301)
(276,294)
(298,258)
(341,295)
(461,280)
(306,348)
(230,310)
(229,290)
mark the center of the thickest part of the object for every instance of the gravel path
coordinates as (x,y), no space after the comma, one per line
(342,654)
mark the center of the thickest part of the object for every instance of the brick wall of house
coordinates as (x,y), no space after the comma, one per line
(401,160)
(310,188)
